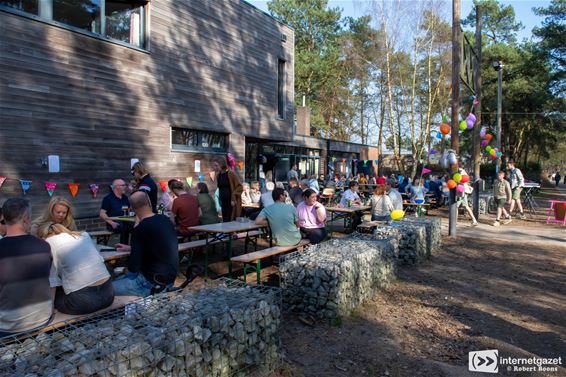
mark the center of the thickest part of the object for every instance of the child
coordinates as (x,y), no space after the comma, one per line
(502,195)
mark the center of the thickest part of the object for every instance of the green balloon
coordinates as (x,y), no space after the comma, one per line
(488,148)
(463,125)
(444,119)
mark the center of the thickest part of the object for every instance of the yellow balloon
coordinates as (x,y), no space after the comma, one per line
(397,214)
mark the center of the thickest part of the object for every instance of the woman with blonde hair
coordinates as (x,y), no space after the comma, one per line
(78,271)
(230,190)
(58,211)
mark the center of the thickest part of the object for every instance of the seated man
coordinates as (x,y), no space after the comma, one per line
(282,218)
(351,195)
(154,260)
(113,205)
(295,192)
(185,211)
(25,264)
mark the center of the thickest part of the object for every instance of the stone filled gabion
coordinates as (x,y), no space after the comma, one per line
(412,240)
(433,227)
(229,331)
(332,278)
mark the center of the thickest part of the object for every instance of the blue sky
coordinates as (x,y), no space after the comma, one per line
(523,10)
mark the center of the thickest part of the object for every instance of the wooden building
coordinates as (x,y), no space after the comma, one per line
(167,82)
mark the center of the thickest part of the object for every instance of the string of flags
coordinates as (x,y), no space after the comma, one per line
(355,161)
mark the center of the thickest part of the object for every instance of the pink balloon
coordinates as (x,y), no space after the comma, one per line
(484,143)
(460,189)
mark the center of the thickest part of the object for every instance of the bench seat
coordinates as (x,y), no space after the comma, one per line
(101,236)
(257,256)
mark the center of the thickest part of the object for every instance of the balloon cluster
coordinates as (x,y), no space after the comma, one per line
(486,139)
(457,182)
(468,124)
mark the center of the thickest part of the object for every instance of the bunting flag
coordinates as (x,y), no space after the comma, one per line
(50,187)
(355,160)
(240,165)
(425,171)
(212,175)
(2,179)
(439,135)
(163,185)
(189,181)
(200,178)
(376,162)
(74,189)
(333,159)
(25,185)
(344,160)
(366,163)
(231,161)
(93,187)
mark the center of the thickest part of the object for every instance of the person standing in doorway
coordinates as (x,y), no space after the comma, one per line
(230,190)
(517,183)
(293,173)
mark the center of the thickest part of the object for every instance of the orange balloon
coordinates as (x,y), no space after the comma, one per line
(444,128)
(451,184)
(488,137)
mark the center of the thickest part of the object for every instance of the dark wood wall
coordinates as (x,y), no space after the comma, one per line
(210,65)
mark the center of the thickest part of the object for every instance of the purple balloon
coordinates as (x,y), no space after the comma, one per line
(482,134)
(484,143)
(471,117)
(432,151)
(469,124)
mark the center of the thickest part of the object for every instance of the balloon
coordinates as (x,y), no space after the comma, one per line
(469,124)
(457,177)
(397,214)
(492,152)
(493,156)
(488,136)
(488,148)
(471,118)
(498,154)
(451,184)
(496,149)
(460,189)
(482,134)
(463,125)
(465,178)
(484,143)
(438,135)
(445,129)
(432,151)
(444,119)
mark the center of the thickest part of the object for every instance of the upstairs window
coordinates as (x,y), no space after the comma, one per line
(121,20)
(281,89)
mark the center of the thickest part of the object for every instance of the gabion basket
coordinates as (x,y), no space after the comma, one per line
(224,329)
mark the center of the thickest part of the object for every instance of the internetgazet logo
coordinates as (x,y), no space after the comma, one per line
(483,361)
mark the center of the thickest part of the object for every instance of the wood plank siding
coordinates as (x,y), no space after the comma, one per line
(209,65)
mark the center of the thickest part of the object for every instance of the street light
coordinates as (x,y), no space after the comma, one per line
(498,66)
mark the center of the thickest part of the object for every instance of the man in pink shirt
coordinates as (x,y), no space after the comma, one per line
(312,216)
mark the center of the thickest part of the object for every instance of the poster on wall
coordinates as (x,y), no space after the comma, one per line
(197,166)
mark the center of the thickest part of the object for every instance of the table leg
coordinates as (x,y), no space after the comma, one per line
(230,240)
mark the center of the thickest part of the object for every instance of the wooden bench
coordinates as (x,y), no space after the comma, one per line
(101,236)
(113,256)
(255,258)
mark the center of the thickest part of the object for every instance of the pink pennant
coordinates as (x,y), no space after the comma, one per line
(93,189)
(426,171)
(2,179)
(50,187)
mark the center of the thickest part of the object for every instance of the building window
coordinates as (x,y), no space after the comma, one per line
(281,89)
(28,6)
(184,139)
(121,20)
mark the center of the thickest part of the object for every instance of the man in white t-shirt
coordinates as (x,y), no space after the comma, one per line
(352,195)
(517,182)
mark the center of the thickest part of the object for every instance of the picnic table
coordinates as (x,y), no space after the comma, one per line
(252,205)
(221,231)
(419,207)
(123,218)
(346,213)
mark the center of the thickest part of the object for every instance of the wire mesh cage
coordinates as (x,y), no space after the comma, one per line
(224,329)
(334,277)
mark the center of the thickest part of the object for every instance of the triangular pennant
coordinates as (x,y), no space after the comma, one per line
(163,185)
(376,162)
(240,165)
(333,159)
(425,171)
(25,185)
(200,178)
(212,175)
(189,181)
(50,187)
(2,179)
(93,187)
(74,189)
(355,160)
(366,163)
(344,160)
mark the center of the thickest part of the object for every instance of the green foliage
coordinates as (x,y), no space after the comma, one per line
(498,21)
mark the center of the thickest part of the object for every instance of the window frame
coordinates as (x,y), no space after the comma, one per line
(198,148)
(145,19)
(281,92)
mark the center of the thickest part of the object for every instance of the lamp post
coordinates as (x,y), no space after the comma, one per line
(498,66)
